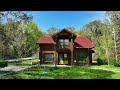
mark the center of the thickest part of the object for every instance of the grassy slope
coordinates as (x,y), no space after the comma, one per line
(63,73)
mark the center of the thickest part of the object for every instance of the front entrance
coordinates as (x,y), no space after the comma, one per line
(63,59)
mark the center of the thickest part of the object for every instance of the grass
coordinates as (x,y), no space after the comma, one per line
(107,67)
(63,73)
(27,62)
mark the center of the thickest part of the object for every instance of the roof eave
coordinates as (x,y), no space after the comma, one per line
(45,43)
(62,30)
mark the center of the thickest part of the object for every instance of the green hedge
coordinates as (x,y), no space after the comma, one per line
(117,63)
(3,64)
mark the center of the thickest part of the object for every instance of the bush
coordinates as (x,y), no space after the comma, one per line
(3,64)
(117,63)
(112,61)
(99,61)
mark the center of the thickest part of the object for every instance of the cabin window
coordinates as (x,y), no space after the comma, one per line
(63,43)
(48,57)
(80,57)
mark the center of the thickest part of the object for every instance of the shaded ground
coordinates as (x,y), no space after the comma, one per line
(6,72)
(62,73)
(12,69)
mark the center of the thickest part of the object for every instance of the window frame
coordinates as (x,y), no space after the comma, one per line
(75,56)
(63,43)
(49,60)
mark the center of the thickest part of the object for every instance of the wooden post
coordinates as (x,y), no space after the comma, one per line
(56,53)
(90,53)
(71,47)
(71,58)
(89,57)
(40,55)
(56,58)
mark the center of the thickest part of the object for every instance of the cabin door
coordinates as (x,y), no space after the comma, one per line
(63,59)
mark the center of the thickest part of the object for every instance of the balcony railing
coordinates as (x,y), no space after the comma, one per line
(64,45)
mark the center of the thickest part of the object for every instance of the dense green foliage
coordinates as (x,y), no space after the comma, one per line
(102,36)
(99,61)
(18,35)
(116,64)
(3,64)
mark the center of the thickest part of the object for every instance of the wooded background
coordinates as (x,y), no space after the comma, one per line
(19,34)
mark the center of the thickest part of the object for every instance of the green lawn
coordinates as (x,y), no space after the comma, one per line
(107,67)
(63,73)
(27,62)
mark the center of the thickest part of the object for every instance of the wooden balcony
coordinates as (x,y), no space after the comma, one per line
(65,46)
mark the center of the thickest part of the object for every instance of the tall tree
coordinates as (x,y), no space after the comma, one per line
(81,32)
(15,15)
(115,19)
(18,35)
(101,35)
(33,35)
(106,41)
(93,30)
(52,30)
(72,29)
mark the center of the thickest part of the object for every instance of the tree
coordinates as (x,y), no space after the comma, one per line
(72,29)
(114,16)
(25,42)
(17,16)
(52,31)
(106,41)
(93,30)
(32,37)
(81,32)
(100,33)
(18,35)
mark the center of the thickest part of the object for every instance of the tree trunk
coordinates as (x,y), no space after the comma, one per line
(115,43)
(107,54)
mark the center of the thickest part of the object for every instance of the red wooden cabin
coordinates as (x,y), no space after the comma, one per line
(65,48)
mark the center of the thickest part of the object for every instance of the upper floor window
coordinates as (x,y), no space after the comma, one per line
(63,43)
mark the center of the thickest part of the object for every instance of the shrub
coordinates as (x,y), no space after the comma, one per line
(117,63)
(112,61)
(99,61)
(3,64)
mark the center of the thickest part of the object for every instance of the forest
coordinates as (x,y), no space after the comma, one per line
(19,34)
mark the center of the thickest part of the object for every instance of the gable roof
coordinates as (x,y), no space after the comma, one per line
(64,30)
(46,40)
(84,42)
